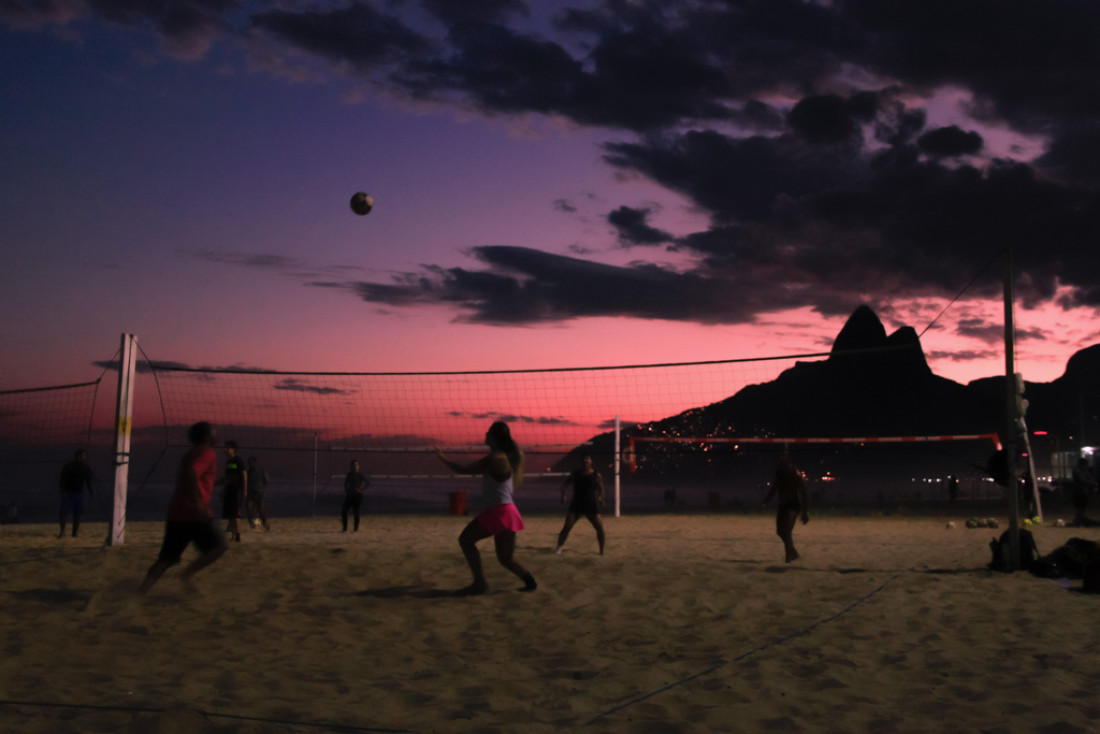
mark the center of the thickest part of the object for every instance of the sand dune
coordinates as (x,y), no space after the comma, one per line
(690,623)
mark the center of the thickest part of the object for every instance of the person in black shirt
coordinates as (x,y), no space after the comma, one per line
(794,502)
(355,484)
(235,480)
(76,476)
(587,499)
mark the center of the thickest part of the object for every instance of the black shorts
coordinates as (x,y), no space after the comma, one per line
(794,507)
(73,502)
(178,535)
(584,507)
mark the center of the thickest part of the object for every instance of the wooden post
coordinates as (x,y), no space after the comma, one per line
(124,416)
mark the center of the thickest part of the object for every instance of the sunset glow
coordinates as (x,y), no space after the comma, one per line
(541,199)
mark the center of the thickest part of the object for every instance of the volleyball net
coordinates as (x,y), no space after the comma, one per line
(399,418)
(677,427)
(40,430)
(46,424)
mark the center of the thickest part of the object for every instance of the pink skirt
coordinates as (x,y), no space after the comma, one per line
(500,519)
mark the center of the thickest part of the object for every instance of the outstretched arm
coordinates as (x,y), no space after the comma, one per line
(481,466)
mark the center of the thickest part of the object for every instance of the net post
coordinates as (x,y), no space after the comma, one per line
(618,464)
(124,416)
(315,474)
(1010,429)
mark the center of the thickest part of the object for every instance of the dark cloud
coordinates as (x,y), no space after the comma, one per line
(994,333)
(250,260)
(189,29)
(633,229)
(1031,62)
(514,418)
(146,367)
(964,355)
(831,118)
(1074,152)
(950,141)
(796,128)
(293,384)
(356,36)
(451,11)
(522,286)
(736,179)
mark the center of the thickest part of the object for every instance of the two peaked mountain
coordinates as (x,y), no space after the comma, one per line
(874,384)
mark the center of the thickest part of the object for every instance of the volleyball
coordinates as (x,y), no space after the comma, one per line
(362,203)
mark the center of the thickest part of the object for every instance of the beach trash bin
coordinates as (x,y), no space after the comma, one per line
(458,503)
(714,501)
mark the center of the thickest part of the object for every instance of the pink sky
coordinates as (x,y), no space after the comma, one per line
(192,189)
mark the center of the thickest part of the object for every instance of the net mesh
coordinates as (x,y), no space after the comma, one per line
(47,423)
(549,411)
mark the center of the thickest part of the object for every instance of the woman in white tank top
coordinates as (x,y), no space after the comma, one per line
(501,470)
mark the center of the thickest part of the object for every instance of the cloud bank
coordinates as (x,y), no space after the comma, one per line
(799,129)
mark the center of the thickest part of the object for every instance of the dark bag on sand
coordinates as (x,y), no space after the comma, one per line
(1002,551)
(1077,559)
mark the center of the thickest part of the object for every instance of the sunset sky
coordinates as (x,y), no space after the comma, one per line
(556,184)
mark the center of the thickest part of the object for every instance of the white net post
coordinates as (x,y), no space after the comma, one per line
(124,418)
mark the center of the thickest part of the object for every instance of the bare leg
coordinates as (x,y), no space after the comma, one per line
(597,522)
(471,534)
(570,521)
(784,528)
(506,550)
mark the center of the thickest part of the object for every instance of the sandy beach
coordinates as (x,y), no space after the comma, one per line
(689,623)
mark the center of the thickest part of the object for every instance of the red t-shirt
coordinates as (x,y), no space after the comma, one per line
(183,508)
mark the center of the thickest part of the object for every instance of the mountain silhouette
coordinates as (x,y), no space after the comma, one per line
(872,385)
